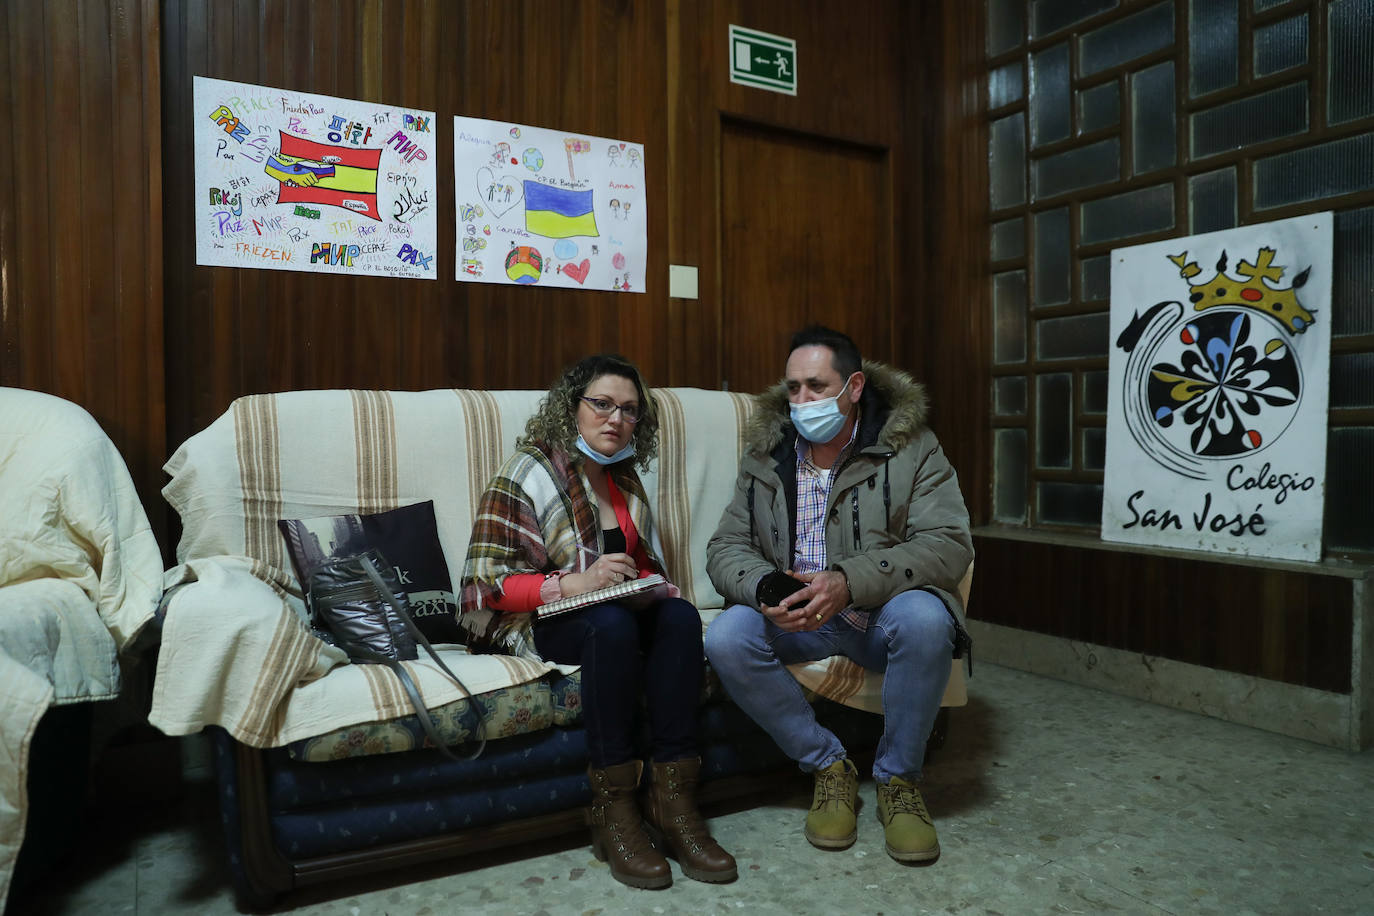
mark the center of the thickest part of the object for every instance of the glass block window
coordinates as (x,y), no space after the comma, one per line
(1120,216)
(1245,122)
(1099,107)
(1281,46)
(1350,60)
(1153,119)
(1141,120)
(1126,39)
(1053,420)
(1009,396)
(1052,262)
(1095,392)
(1004,85)
(1050,112)
(1009,316)
(1007,162)
(1009,498)
(1094,448)
(1212,200)
(1096,282)
(1009,239)
(1076,168)
(1213,45)
(1049,16)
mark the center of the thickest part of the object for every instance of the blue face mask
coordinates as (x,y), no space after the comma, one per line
(604,460)
(819,421)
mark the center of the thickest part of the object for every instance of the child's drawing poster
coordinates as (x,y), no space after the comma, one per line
(1216,406)
(548,208)
(296,181)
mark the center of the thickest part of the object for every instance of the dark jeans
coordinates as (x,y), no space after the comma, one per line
(654,652)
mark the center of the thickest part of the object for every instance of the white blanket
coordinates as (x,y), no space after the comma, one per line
(80,575)
(235,650)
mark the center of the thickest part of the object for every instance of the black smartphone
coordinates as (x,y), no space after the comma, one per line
(776,586)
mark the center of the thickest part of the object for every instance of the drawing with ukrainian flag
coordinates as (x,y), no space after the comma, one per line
(545,207)
(290,180)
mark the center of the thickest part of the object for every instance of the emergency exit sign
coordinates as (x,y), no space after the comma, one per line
(762,60)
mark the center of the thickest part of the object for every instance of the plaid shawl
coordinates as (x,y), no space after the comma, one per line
(538,515)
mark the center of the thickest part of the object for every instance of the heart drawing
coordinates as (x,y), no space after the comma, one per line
(578,271)
(499,193)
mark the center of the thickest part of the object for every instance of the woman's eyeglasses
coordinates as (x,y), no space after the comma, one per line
(603,408)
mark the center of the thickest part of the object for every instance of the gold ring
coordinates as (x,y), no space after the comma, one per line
(818,618)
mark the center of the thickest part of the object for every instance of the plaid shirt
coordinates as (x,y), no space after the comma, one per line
(813,491)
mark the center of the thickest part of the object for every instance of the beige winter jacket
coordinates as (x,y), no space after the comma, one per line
(895,519)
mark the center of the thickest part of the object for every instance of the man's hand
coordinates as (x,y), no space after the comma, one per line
(825,595)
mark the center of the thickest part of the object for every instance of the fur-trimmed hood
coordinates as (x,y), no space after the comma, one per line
(889,394)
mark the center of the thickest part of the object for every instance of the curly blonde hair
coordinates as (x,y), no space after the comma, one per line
(554,424)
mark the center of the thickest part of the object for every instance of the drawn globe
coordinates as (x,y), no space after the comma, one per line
(524,265)
(534,160)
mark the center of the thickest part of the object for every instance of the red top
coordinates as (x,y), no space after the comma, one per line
(520,591)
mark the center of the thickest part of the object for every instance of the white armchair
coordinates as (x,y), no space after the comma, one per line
(80,575)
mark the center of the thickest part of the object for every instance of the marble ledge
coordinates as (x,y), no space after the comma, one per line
(1332,719)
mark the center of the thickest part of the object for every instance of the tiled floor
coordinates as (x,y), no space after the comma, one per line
(1049,798)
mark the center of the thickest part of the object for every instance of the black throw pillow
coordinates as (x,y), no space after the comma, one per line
(409,539)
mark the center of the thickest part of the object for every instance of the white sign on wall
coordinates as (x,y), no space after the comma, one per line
(1216,427)
(290,180)
(546,207)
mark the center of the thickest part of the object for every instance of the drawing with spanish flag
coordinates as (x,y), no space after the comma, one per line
(335,176)
(290,180)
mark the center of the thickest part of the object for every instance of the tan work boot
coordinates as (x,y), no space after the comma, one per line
(907,826)
(831,823)
(672,812)
(618,837)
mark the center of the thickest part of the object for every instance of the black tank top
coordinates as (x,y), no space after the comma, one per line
(614,539)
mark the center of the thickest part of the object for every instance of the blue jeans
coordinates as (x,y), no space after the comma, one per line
(910,639)
(654,652)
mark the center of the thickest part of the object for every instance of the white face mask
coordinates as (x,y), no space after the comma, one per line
(604,460)
(819,421)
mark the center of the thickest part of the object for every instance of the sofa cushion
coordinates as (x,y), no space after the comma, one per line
(407,538)
(509,711)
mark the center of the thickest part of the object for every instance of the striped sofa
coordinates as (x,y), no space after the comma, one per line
(322,764)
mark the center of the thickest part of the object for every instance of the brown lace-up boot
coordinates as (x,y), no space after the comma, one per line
(672,813)
(618,837)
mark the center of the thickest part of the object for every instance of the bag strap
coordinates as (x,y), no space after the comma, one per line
(421,710)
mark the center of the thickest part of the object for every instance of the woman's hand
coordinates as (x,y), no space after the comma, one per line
(609,569)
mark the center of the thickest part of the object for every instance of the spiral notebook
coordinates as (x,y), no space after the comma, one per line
(635,588)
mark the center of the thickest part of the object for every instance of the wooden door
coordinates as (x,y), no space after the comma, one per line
(789,204)
(805,237)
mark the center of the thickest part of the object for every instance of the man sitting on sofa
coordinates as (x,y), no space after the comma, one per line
(845,488)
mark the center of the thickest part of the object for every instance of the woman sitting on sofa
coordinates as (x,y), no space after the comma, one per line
(566,515)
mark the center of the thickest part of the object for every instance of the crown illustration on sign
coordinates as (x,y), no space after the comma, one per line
(1251,291)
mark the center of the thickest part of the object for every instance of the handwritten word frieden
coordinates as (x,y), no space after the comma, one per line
(257,251)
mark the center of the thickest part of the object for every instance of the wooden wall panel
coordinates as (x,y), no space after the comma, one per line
(1273,623)
(951,329)
(80,218)
(588,67)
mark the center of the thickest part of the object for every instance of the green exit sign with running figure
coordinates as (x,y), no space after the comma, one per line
(762,60)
